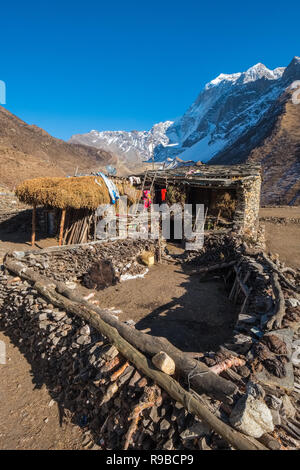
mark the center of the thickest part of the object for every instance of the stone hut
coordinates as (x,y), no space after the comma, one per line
(230,194)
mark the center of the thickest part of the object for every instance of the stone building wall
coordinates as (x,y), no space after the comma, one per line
(248,204)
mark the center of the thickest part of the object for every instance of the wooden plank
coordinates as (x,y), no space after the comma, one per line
(61,229)
(33,230)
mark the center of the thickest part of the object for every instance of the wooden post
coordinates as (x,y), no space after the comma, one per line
(62,223)
(33,225)
(95,225)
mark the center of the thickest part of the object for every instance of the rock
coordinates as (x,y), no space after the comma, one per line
(153,415)
(164,425)
(255,390)
(43,316)
(55,341)
(274,402)
(198,429)
(252,417)
(164,363)
(58,316)
(287,407)
(71,285)
(83,339)
(85,330)
(293,302)
(168,445)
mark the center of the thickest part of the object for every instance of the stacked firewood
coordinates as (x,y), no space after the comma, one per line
(122,406)
(75,263)
(107,396)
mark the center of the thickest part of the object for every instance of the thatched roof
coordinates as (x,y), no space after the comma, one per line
(76,192)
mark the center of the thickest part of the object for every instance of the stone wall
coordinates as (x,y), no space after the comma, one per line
(89,379)
(248,205)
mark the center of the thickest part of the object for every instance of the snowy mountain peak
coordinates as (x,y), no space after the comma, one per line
(136,145)
(254,73)
(259,71)
(223,77)
(226,110)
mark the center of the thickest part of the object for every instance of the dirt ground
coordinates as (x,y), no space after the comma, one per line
(29,419)
(14,242)
(193,315)
(283,239)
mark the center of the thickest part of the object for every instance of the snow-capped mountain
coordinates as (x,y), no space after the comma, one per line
(214,126)
(225,110)
(131,145)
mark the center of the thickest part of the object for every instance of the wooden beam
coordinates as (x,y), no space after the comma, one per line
(195,373)
(33,229)
(62,224)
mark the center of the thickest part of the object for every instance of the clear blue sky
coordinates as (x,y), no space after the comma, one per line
(70,67)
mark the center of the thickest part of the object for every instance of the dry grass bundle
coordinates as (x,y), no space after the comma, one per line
(76,192)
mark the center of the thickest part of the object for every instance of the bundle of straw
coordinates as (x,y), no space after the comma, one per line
(75,192)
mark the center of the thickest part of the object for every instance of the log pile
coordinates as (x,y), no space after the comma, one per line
(107,396)
(75,263)
(115,393)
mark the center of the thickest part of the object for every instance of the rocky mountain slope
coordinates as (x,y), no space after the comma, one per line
(133,145)
(279,154)
(27,151)
(236,117)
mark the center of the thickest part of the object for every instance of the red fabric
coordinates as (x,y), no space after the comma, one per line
(163,194)
(147,199)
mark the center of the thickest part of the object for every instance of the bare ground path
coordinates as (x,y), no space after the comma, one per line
(28,417)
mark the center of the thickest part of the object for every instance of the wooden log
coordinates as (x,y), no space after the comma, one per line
(276,320)
(214,267)
(164,363)
(33,228)
(171,386)
(196,374)
(269,441)
(282,277)
(61,229)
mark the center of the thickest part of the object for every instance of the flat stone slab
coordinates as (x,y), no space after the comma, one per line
(286,383)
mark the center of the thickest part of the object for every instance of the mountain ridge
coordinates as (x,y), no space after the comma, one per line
(239,117)
(27,151)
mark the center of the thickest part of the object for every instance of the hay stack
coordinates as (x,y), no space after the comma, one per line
(77,192)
